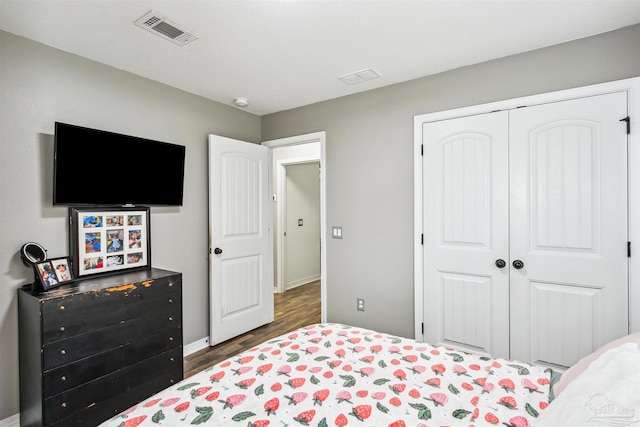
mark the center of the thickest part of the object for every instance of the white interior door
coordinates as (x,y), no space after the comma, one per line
(568,163)
(466,231)
(241,252)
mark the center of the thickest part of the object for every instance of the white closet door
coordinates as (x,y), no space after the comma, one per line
(568,200)
(465,184)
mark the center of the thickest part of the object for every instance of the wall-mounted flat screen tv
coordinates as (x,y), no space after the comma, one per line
(98,168)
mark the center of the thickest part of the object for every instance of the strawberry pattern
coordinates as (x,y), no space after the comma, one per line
(332,374)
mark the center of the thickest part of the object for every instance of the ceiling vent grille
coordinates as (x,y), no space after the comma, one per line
(360,76)
(164,28)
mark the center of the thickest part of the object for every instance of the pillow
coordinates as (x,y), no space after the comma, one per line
(574,371)
(606,393)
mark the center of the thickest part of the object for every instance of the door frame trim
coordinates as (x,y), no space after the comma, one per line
(631,86)
(306,139)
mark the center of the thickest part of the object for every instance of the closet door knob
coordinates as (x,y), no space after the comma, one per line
(217,251)
(500,263)
(517,264)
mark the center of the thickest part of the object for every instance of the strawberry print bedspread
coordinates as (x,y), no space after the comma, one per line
(338,375)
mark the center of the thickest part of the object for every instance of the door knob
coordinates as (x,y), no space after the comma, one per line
(500,263)
(217,251)
(517,264)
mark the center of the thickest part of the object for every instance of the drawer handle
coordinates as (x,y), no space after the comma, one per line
(170,300)
(62,352)
(170,318)
(63,378)
(170,338)
(171,359)
(64,405)
(61,328)
(62,308)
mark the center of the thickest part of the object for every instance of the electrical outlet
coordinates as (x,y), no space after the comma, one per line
(360,304)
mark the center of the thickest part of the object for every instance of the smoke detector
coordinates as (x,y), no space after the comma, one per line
(164,28)
(241,102)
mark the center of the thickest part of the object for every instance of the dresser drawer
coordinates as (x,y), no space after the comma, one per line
(82,313)
(120,382)
(101,411)
(68,376)
(78,347)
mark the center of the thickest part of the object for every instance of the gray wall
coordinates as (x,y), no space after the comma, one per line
(369,162)
(40,85)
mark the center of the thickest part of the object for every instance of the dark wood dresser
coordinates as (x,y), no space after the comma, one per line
(92,349)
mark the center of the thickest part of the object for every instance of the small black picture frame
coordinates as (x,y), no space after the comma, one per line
(108,240)
(53,272)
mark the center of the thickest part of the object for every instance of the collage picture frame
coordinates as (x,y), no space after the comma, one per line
(109,240)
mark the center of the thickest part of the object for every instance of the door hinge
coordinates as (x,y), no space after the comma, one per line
(423,328)
(422,150)
(629,249)
(422,239)
(628,120)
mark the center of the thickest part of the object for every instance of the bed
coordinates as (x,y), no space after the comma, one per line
(331,374)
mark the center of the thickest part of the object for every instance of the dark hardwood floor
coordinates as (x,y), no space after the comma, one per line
(295,308)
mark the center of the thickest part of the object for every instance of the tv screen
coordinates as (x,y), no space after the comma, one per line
(98,168)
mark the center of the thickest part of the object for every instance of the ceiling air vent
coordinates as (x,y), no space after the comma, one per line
(360,76)
(164,28)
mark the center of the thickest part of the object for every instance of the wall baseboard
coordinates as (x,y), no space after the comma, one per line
(301,282)
(191,348)
(12,421)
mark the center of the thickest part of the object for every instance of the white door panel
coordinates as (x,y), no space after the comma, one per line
(566,319)
(241,264)
(464,319)
(466,230)
(569,227)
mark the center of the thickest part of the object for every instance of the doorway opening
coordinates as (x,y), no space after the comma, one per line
(299,225)
(308,149)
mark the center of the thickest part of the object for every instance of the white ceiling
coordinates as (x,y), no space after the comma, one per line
(282,54)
